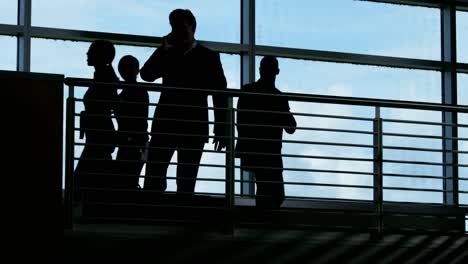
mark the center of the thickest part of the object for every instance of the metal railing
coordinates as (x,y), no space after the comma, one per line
(238,191)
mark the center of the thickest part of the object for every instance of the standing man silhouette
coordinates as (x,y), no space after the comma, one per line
(180,120)
(261,119)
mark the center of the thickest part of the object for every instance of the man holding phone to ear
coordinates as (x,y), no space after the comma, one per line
(180,120)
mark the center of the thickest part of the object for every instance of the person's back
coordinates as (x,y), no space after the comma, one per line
(262,117)
(263,114)
(198,68)
(131,114)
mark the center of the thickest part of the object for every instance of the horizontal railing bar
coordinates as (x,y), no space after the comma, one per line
(417,162)
(414,176)
(422,122)
(416,189)
(149,147)
(307,156)
(306,170)
(306,114)
(161,162)
(151,104)
(289,96)
(156,205)
(120,175)
(417,149)
(310,184)
(311,128)
(422,136)
(143,190)
(159,119)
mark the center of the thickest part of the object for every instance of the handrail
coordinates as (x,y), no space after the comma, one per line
(314,98)
(230,166)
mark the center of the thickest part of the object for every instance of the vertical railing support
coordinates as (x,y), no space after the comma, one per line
(449,97)
(247,72)
(378,170)
(69,157)
(230,165)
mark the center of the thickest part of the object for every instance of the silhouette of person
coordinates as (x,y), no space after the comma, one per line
(131,114)
(96,120)
(264,117)
(180,121)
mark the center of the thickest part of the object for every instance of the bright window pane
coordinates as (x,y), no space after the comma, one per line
(8,53)
(8,11)
(350,26)
(216,20)
(462,89)
(357,81)
(462,37)
(340,79)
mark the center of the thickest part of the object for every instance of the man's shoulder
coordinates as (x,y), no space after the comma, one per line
(200,48)
(248,87)
(277,91)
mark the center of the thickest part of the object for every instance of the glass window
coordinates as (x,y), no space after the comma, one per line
(8,53)
(9,11)
(216,20)
(462,37)
(462,88)
(324,78)
(341,79)
(401,155)
(350,26)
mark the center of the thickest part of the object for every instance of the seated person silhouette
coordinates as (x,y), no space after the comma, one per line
(131,114)
(96,124)
(260,123)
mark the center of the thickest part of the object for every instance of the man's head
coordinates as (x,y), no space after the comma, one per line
(100,53)
(183,25)
(269,68)
(129,68)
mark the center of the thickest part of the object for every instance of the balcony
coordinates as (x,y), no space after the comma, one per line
(233,207)
(225,216)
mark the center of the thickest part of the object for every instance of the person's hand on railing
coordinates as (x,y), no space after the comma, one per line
(219,143)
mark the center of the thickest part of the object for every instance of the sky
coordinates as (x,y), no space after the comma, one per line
(333,25)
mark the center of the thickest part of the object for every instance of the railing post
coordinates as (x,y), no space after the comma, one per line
(247,72)
(378,170)
(449,97)
(230,165)
(69,157)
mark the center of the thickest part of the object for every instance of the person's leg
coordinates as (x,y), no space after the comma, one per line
(160,153)
(270,188)
(129,166)
(93,173)
(187,169)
